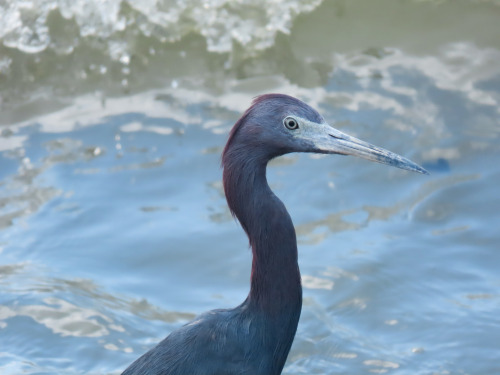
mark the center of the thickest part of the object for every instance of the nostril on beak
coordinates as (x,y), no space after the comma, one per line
(334,136)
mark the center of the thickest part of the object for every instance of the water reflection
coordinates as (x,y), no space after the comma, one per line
(114,227)
(313,282)
(386,365)
(66,318)
(316,231)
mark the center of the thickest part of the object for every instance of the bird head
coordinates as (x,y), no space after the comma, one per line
(278,124)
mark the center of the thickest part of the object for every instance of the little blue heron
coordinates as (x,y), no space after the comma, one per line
(255,337)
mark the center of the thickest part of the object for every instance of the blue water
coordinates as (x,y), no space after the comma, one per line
(114,228)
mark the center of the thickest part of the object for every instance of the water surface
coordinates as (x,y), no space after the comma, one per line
(114,228)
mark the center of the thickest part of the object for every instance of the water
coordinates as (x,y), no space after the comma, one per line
(113,225)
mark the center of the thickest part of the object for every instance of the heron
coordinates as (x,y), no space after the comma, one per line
(256,336)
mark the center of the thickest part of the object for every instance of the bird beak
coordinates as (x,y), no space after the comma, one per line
(329,140)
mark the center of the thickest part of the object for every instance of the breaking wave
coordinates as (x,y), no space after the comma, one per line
(60,25)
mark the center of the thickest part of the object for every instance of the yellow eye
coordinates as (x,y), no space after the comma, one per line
(291,123)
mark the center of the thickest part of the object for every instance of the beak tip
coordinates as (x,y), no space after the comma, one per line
(423,171)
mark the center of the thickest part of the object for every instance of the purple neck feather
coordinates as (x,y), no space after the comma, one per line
(275,281)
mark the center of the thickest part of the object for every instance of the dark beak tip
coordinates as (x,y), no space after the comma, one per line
(423,171)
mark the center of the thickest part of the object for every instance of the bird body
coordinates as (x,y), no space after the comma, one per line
(216,342)
(256,337)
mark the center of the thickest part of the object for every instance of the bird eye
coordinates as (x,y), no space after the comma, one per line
(291,123)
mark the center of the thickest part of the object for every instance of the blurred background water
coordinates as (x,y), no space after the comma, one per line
(113,225)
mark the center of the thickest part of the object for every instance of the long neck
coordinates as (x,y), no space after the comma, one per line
(275,280)
(276,290)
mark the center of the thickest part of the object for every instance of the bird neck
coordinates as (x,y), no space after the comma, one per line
(275,280)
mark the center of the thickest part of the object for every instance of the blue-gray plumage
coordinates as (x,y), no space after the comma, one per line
(255,337)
